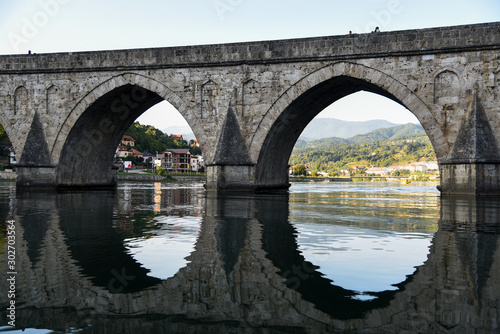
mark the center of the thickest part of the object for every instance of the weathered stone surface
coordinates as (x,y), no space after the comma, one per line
(36,151)
(470,179)
(231,148)
(476,141)
(85,101)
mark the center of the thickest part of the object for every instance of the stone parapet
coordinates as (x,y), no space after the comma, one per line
(400,43)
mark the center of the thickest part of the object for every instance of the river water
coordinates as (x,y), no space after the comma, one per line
(378,257)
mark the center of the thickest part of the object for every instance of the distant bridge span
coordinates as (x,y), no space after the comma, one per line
(247,103)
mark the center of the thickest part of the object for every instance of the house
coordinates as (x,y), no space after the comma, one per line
(345,172)
(177,160)
(127,140)
(148,157)
(194,143)
(433,165)
(12,156)
(157,160)
(177,137)
(166,160)
(136,153)
(418,167)
(122,151)
(377,171)
(196,162)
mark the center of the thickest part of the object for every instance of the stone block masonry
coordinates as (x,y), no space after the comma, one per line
(247,103)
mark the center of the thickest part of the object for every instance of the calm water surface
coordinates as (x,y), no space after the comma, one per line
(327,257)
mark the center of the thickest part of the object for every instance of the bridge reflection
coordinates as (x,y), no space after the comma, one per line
(244,273)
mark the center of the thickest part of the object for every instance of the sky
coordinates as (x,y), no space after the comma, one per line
(75,25)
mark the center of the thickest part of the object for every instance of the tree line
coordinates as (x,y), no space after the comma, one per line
(332,158)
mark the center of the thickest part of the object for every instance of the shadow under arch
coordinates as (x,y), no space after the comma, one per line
(293,111)
(88,139)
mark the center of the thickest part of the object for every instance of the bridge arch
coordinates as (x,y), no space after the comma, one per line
(8,120)
(87,140)
(283,123)
(7,127)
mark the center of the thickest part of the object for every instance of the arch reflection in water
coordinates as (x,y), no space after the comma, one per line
(382,232)
(246,272)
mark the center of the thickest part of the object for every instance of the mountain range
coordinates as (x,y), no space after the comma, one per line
(320,128)
(391,133)
(397,145)
(334,130)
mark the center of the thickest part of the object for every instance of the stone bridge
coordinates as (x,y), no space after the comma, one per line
(247,103)
(245,272)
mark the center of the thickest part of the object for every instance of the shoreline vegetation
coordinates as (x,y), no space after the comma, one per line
(392,149)
(360,179)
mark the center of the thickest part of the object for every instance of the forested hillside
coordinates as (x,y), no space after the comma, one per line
(149,138)
(380,148)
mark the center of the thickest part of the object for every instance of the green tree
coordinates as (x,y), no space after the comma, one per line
(160,171)
(148,138)
(299,170)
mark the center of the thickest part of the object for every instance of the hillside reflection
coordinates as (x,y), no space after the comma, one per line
(245,270)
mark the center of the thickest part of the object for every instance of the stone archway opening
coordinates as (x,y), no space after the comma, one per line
(272,166)
(7,152)
(88,154)
(166,140)
(365,134)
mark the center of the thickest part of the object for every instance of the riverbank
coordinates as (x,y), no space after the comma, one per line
(157,178)
(361,179)
(7,176)
(320,179)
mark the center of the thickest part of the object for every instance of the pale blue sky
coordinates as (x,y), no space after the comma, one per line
(77,25)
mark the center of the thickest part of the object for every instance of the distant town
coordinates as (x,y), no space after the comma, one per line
(420,171)
(177,160)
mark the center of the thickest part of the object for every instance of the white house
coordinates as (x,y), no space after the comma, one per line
(377,171)
(12,156)
(196,162)
(419,167)
(432,165)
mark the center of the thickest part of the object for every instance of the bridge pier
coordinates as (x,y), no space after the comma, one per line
(46,177)
(230,178)
(35,176)
(473,165)
(477,179)
(239,178)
